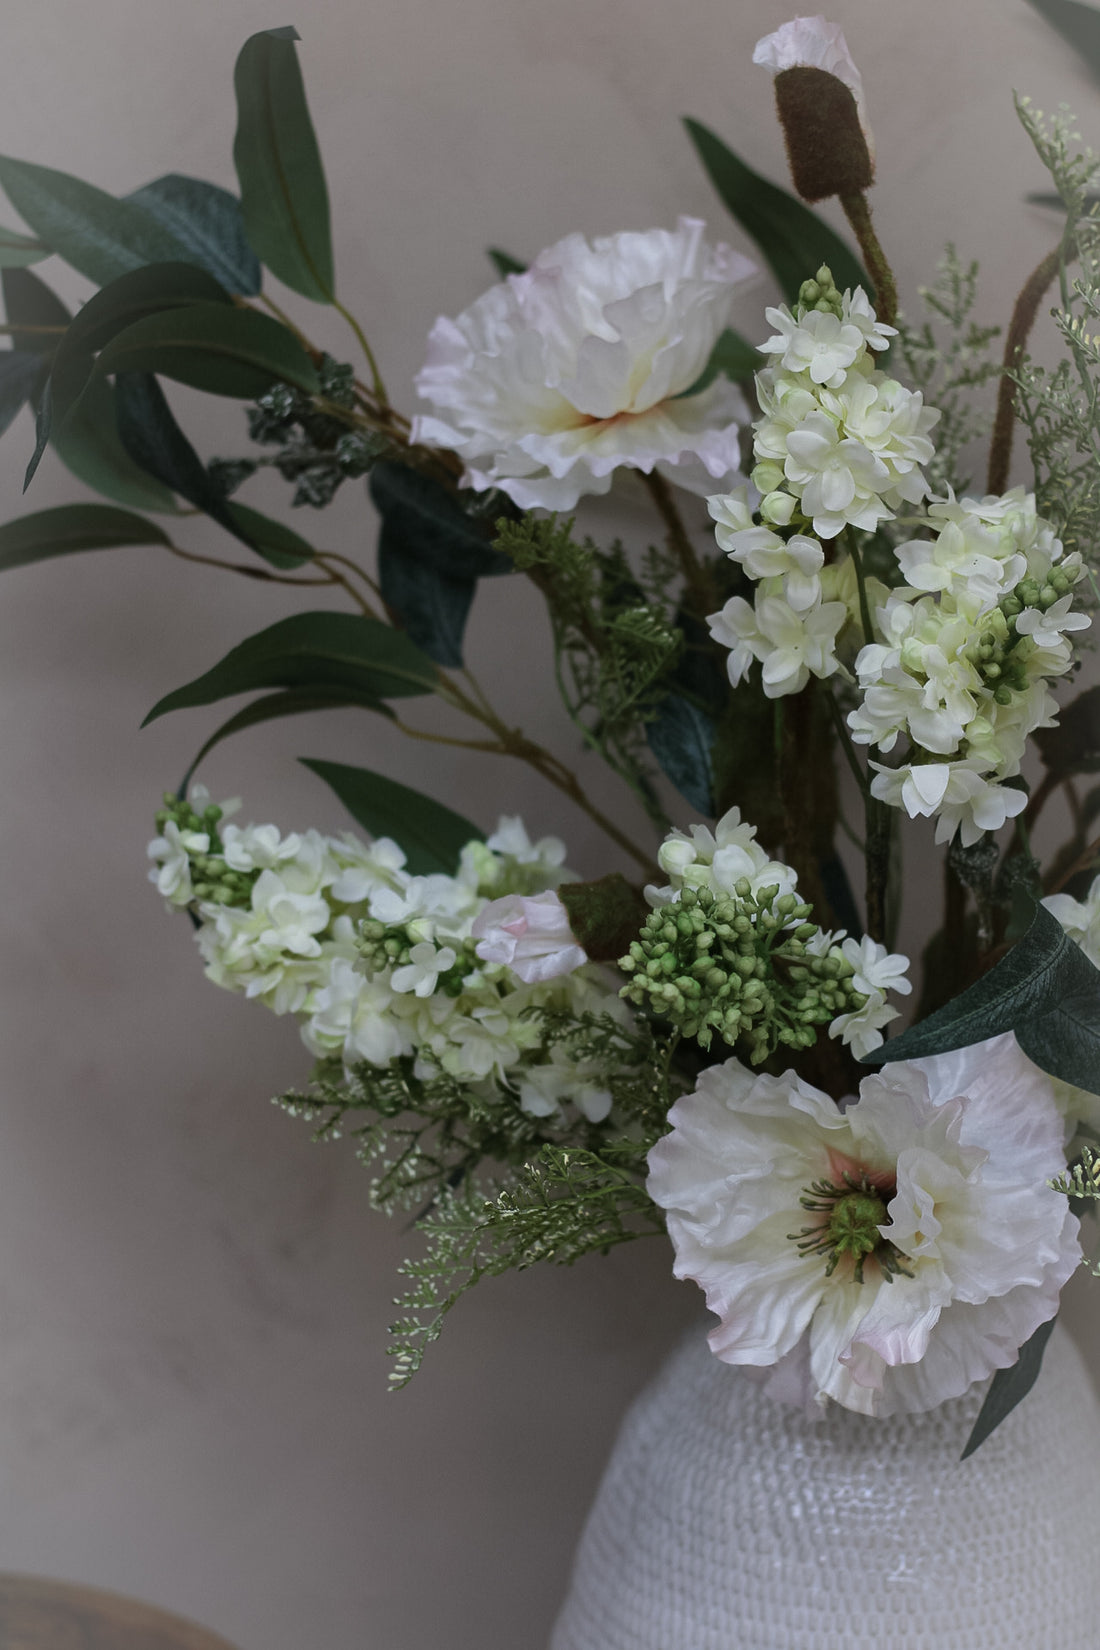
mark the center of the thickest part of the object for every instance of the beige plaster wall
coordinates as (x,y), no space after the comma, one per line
(193,1301)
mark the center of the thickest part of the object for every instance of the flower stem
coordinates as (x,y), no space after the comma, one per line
(695,574)
(858,214)
(376,377)
(1024,312)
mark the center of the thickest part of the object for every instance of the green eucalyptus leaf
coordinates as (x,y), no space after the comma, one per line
(273,540)
(72,527)
(21,377)
(1045,990)
(284,197)
(316,650)
(681,737)
(792,238)
(208,221)
(733,356)
(1078,24)
(213,347)
(1008,1387)
(504,263)
(430,556)
(149,291)
(1073,746)
(101,237)
(16,251)
(151,438)
(432,836)
(43,418)
(88,444)
(28,302)
(274,706)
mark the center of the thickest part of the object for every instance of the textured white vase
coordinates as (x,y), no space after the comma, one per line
(727,1521)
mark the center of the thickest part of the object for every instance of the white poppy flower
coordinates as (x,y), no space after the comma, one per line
(556,378)
(887,1256)
(813,43)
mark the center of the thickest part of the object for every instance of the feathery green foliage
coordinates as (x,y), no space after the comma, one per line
(950,370)
(615,640)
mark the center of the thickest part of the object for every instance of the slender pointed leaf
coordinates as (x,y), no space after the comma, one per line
(793,239)
(16,251)
(28,302)
(21,375)
(42,422)
(284,197)
(432,836)
(432,606)
(275,706)
(1008,1387)
(215,348)
(99,236)
(315,650)
(88,444)
(72,527)
(150,436)
(504,263)
(273,540)
(208,221)
(681,737)
(1078,24)
(1045,990)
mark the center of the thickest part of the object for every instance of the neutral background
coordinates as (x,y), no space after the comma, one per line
(193,1299)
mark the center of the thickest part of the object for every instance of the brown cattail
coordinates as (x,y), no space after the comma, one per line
(826,145)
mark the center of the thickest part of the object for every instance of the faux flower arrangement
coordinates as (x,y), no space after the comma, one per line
(539,1067)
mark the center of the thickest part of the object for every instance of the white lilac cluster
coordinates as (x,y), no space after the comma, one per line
(958,657)
(729,862)
(884,1256)
(377,963)
(559,376)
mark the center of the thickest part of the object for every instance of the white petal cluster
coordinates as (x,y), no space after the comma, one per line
(554,379)
(945,1161)
(877,971)
(478,951)
(968,649)
(1081,920)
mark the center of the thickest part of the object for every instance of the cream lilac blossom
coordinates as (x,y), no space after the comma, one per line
(530,934)
(559,376)
(931,1188)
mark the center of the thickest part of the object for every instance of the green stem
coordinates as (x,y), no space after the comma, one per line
(695,574)
(861,586)
(858,213)
(376,377)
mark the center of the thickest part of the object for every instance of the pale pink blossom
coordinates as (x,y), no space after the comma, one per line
(530,934)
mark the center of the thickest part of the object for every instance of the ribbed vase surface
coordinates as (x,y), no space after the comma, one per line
(727,1521)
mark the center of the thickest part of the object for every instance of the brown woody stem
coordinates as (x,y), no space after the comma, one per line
(1019,328)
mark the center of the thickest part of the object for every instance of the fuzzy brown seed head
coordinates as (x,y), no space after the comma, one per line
(826,148)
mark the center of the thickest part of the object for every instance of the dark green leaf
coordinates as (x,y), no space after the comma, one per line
(28,302)
(313,650)
(72,527)
(20,377)
(99,236)
(213,347)
(604,915)
(273,540)
(88,444)
(504,263)
(208,221)
(292,702)
(16,251)
(430,556)
(1045,990)
(793,239)
(284,197)
(1078,24)
(150,290)
(42,421)
(1073,746)
(732,355)
(431,835)
(150,436)
(681,737)
(1008,1386)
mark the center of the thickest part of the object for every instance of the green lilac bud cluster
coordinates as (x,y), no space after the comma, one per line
(999,654)
(821,293)
(385,947)
(739,966)
(211,878)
